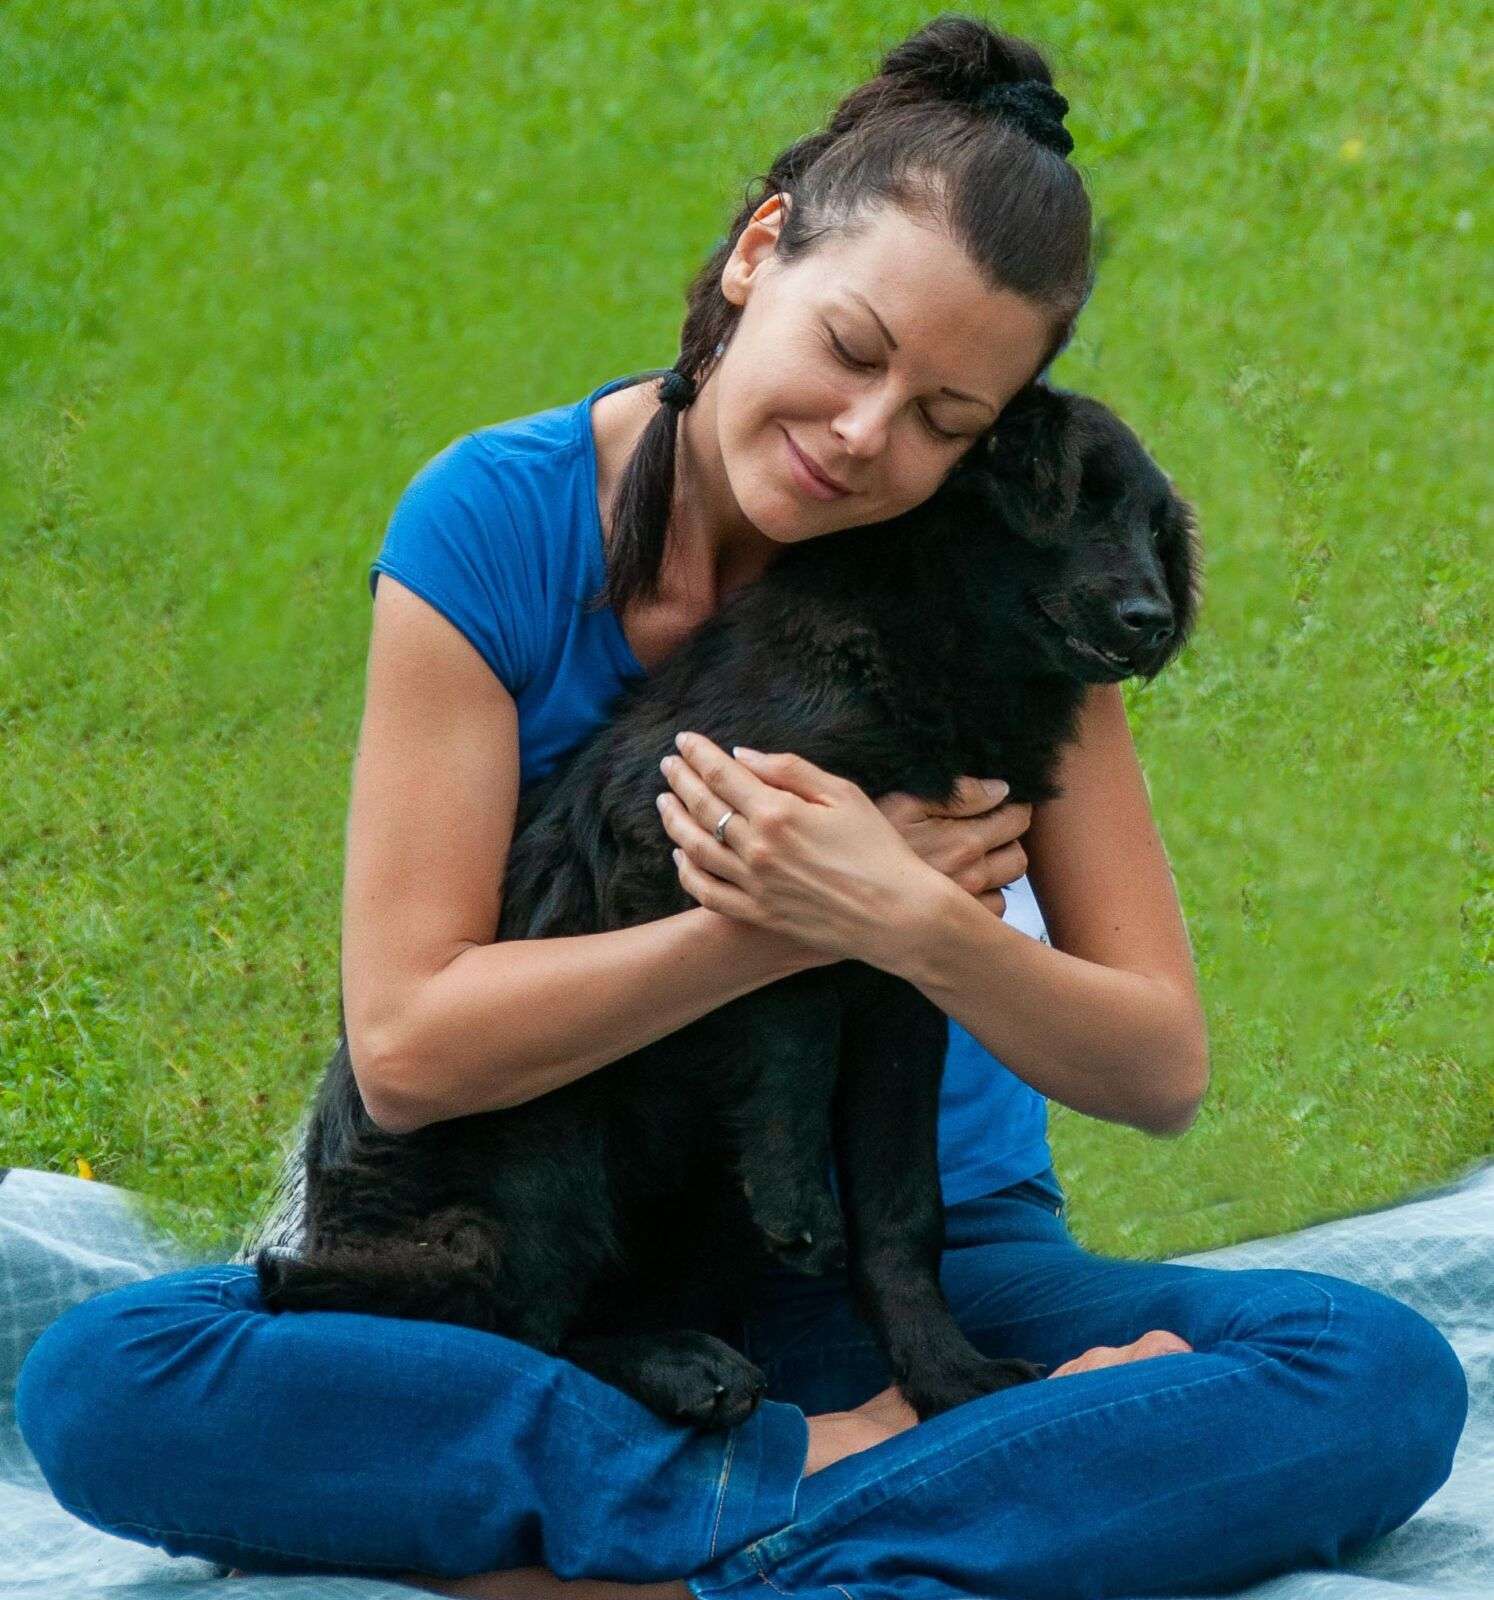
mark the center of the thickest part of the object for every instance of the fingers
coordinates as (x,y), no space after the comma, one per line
(900,808)
(973,840)
(716,773)
(679,812)
(1002,859)
(993,871)
(971,797)
(994,902)
(1003,865)
(747,781)
(981,802)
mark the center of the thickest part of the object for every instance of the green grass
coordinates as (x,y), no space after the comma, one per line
(262,262)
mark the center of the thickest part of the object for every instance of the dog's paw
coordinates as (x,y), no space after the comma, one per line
(801,1229)
(699,1379)
(951,1384)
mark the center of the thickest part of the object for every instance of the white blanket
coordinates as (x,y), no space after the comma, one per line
(63,1239)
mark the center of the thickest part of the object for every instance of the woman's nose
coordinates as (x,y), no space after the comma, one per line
(861,427)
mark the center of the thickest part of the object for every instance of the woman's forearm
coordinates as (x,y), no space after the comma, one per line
(1117,1045)
(505,1022)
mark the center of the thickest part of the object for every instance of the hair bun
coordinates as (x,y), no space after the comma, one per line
(966,63)
(1037,107)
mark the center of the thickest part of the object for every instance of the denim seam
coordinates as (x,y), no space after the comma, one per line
(721,1483)
(762,1573)
(905,1486)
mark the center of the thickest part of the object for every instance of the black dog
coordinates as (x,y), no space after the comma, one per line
(622,1219)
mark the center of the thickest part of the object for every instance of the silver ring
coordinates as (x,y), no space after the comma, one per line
(721,826)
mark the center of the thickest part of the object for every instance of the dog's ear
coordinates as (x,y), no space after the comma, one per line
(1182,565)
(1035,463)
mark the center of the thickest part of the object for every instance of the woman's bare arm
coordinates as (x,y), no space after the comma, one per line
(441,1020)
(1108,1020)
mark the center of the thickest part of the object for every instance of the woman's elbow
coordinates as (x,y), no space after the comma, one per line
(1189,1076)
(379,1072)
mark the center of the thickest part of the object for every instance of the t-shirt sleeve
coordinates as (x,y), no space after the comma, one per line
(451,539)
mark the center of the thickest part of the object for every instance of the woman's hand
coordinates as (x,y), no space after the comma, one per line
(807,855)
(810,856)
(972,840)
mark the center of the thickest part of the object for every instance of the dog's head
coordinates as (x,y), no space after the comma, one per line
(1091,548)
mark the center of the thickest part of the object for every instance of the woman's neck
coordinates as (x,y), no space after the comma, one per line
(712,550)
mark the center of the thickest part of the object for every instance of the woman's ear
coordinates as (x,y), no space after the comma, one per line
(754,246)
(1035,462)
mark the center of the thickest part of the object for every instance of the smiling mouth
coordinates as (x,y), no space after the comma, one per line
(813,471)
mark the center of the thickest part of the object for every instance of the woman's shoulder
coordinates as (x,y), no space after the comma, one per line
(496,458)
(499,530)
(477,532)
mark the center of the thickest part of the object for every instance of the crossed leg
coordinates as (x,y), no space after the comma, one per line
(837,1434)
(841,1426)
(1310,1416)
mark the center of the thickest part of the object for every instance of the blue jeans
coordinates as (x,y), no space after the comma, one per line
(1311,1416)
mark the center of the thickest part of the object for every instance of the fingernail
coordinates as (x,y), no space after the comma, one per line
(744,753)
(997,788)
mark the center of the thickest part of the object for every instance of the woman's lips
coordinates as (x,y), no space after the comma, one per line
(806,478)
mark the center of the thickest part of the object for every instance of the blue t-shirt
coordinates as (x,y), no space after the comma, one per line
(501,532)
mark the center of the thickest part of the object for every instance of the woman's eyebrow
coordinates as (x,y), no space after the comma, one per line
(959,394)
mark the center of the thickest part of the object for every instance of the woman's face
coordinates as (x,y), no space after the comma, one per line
(810,368)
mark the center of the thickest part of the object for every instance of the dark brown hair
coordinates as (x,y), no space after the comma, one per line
(931,134)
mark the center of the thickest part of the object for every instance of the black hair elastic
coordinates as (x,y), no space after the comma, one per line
(677,389)
(1037,108)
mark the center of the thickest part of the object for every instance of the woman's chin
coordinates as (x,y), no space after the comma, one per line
(791,518)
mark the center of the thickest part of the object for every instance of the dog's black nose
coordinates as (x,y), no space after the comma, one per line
(1150,621)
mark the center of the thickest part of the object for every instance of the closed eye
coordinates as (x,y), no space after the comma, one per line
(847,359)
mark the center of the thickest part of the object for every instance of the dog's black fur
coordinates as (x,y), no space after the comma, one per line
(622,1219)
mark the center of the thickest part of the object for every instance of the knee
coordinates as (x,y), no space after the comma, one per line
(85,1391)
(1405,1389)
(62,1383)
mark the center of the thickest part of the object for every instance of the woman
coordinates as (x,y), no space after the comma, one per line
(908,270)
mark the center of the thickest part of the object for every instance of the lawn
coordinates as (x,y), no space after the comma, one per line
(262,262)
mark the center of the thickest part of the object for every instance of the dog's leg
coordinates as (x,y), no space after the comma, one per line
(787,1041)
(886,1122)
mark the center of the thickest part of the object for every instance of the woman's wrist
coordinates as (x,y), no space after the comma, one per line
(901,941)
(757,950)
(907,939)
